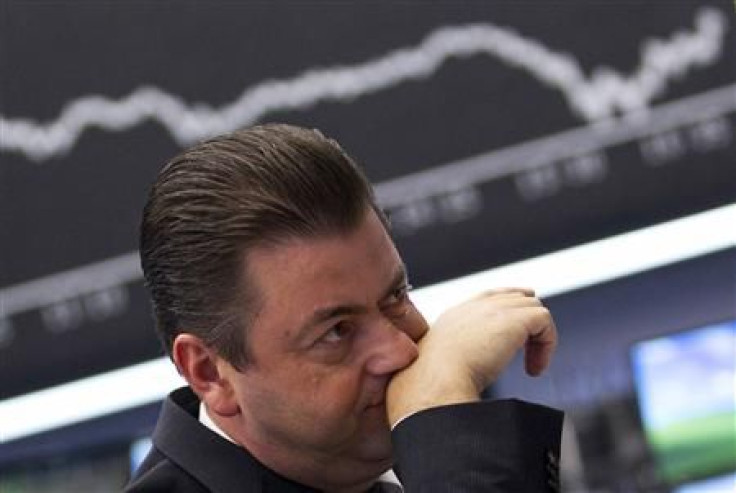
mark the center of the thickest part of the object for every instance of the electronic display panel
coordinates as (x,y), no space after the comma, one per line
(493,132)
(686,389)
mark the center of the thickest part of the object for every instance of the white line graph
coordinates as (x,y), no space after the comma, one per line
(604,94)
(498,164)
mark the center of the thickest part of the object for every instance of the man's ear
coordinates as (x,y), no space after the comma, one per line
(206,373)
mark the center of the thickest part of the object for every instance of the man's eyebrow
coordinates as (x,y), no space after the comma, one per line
(323,314)
(326,313)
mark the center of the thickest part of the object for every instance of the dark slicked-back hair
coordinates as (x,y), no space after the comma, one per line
(212,203)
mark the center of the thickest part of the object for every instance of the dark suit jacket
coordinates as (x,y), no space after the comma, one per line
(495,446)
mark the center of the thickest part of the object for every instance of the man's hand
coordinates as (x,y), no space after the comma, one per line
(468,347)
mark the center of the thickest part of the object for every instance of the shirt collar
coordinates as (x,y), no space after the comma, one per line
(205,419)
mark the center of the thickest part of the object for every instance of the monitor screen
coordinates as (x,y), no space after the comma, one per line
(686,390)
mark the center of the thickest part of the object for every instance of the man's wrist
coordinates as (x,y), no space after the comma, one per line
(400,407)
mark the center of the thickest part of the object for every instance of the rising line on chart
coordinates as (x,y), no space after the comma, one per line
(602,95)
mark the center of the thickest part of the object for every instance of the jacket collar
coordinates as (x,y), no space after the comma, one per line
(218,464)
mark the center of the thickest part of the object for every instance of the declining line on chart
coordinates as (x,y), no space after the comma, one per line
(593,98)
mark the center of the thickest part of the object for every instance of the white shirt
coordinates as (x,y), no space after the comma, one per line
(205,419)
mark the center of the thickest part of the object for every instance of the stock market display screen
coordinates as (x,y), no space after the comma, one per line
(492,132)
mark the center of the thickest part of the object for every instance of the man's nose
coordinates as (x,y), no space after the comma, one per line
(391,351)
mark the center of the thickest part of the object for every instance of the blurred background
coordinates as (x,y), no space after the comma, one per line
(584,148)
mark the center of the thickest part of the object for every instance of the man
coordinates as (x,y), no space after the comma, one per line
(282,301)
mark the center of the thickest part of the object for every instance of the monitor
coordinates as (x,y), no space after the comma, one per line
(686,392)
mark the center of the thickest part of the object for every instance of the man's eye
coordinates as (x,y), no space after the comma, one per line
(402,293)
(398,303)
(337,333)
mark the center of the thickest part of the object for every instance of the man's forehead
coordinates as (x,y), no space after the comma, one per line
(328,269)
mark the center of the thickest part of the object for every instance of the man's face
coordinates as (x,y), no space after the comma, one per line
(334,324)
